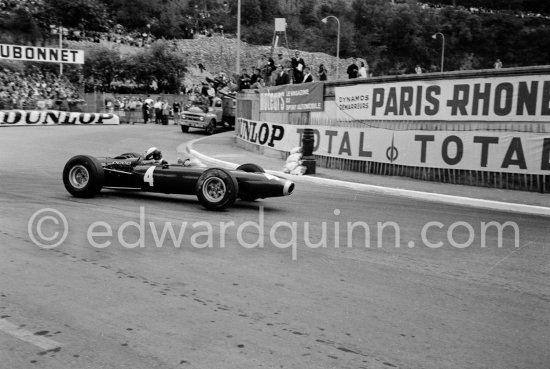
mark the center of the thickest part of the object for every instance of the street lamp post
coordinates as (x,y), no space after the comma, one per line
(434,36)
(60,47)
(325,20)
(238,64)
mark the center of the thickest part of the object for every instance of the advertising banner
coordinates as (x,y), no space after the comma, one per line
(495,151)
(41,54)
(301,97)
(51,117)
(506,98)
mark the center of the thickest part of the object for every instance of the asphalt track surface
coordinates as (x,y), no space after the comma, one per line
(231,306)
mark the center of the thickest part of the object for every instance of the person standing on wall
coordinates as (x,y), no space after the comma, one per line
(282,77)
(257,74)
(270,69)
(322,73)
(307,76)
(274,74)
(363,71)
(353,70)
(244,80)
(298,65)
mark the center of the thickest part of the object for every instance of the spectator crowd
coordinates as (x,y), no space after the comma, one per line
(145,108)
(282,71)
(34,89)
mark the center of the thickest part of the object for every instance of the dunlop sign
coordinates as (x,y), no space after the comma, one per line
(41,54)
(53,117)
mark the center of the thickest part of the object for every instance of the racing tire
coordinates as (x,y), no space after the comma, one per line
(217,189)
(83,176)
(184,129)
(211,127)
(251,168)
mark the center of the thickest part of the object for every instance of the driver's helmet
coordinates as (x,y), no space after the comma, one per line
(153,154)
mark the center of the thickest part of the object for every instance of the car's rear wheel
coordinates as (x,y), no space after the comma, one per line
(184,129)
(211,128)
(83,176)
(251,168)
(217,189)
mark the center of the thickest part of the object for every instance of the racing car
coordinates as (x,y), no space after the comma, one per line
(216,188)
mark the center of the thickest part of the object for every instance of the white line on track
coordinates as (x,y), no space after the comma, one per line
(39,341)
(417,195)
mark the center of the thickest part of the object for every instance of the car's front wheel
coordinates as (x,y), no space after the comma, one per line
(83,176)
(184,129)
(217,189)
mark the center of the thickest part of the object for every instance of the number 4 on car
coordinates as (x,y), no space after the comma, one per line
(148,177)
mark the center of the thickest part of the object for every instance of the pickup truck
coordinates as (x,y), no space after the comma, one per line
(220,112)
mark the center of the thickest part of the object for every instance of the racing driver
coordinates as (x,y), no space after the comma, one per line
(152,156)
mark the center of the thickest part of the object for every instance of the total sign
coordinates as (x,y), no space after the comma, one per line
(512,152)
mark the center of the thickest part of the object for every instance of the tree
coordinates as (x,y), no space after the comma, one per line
(392,36)
(161,64)
(251,12)
(307,14)
(169,22)
(269,10)
(102,66)
(90,14)
(23,26)
(135,14)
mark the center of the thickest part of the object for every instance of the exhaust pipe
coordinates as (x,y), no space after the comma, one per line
(288,188)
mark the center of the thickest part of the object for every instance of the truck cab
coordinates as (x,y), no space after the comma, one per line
(209,115)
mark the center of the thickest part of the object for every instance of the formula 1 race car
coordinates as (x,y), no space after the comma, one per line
(216,188)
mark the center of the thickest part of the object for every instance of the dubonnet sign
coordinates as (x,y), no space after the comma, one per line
(41,54)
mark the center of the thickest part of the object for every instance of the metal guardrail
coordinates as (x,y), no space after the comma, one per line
(509,181)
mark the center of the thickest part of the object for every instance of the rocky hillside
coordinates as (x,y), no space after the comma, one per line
(219,54)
